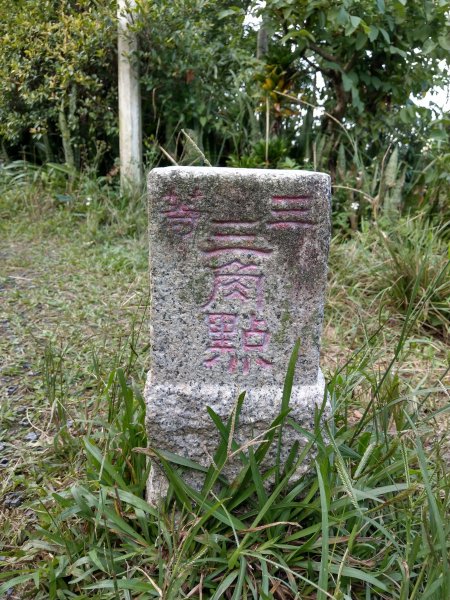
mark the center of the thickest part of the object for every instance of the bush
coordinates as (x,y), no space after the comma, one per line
(369,520)
(58,89)
(416,276)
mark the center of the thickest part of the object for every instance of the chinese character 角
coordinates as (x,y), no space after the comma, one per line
(237,281)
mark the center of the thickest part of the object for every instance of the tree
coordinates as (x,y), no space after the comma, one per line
(58,77)
(372,55)
(196,60)
(360,61)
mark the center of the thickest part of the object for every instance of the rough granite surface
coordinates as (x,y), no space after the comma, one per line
(238,262)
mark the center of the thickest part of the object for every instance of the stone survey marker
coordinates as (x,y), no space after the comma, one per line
(238,261)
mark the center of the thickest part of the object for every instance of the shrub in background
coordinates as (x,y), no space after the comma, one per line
(58,82)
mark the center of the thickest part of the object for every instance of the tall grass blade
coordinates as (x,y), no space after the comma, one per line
(324,503)
(285,399)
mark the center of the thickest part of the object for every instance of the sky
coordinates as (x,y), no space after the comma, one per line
(439,96)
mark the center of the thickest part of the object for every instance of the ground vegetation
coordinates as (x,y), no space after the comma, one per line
(369,521)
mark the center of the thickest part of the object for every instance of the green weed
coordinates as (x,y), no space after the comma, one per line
(417,270)
(370,520)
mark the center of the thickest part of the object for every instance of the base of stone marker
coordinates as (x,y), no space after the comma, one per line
(177,421)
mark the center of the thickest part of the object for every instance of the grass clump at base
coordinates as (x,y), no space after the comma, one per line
(370,520)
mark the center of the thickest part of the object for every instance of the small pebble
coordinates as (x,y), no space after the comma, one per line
(24,422)
(31,437)
(21,409)
(13,500)
(11,389)
(4,462)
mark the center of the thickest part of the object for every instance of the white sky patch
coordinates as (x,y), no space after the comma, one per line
(252,20)
(438,96)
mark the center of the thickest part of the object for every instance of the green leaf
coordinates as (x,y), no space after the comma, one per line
(352,24)
(10,583)
(225,585)
(399,51)
(385,34)
(361,40)
(302,33)
(289,379)
(350,572)
(373,33)
(257,479)
(444,42)
(342,17)
(324,507)
(287,390)
(381,6)
(429,46)
(182,461)
(134,501)
(437,518)
(235,10)
(136,585)
(237,595)
(104,464)
(349,80)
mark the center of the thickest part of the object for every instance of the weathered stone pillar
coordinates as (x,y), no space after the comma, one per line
(238,261)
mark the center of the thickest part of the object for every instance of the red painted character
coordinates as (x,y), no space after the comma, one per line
(255,342)
(222,339)
(182,216)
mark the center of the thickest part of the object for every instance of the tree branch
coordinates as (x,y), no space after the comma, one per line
(323,53)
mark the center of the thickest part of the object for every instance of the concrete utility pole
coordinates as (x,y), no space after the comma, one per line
(130,121)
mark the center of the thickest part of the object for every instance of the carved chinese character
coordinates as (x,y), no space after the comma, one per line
(182,216)
(255,342)
(238,281)
(222,339)
(237,238)
(290,212)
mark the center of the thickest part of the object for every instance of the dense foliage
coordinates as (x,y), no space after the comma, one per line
(322,84)
(58,81)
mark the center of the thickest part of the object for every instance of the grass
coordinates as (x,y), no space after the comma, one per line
(370,521)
